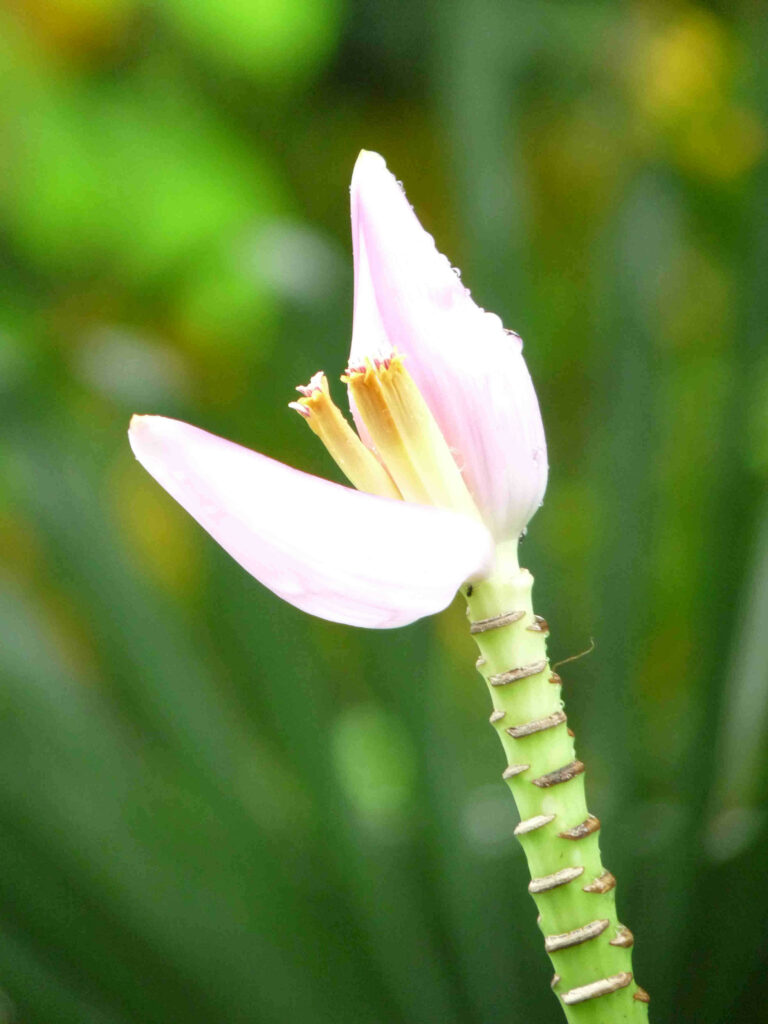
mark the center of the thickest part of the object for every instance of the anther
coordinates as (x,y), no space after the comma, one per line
(641,995)
(603,883)
(494,622)
(587,931)
(537,725)
(564,774)
(555,679)
(513,675)
(496,716)
(594,989)
(538,625)
(553,881)
(624,938)
(585,828)
(514,769)
(531,824)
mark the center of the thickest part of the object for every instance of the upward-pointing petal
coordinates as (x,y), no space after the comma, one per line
(331,551)
(470,371)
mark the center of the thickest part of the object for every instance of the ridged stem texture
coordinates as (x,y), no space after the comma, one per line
(589,947)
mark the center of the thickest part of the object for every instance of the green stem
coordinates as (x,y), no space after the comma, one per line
(589,948)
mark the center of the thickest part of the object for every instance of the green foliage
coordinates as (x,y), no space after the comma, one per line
(215,808)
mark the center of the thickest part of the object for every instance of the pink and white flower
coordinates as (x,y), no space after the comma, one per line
(356,557)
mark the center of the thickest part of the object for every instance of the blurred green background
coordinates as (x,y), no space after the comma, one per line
(214,808)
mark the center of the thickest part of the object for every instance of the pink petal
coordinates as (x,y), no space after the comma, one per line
(330,550)
(469,369)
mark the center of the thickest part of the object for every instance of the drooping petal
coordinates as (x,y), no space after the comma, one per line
(330,550)
(469,369)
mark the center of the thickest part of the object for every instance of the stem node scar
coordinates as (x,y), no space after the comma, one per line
(624,937)
(603,883)
(531,824)
(595,989)
(555,880)
(514,675)
(494,622)
(587,827)
(517,732)
(552,943)
(564,774)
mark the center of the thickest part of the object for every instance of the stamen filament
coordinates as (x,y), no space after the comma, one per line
(357,463)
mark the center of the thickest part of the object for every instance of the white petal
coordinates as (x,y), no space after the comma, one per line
(469,369)
(330,550)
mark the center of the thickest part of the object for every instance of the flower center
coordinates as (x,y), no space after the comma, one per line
(406,444)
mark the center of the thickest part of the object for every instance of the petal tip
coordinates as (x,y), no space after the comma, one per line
(141,422)
(137,428)
(369,166)
(369,158)
(146,434)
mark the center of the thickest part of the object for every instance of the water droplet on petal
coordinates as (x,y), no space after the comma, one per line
(515,338)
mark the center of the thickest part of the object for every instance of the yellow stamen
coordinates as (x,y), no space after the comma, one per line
(407,437)
(357,463)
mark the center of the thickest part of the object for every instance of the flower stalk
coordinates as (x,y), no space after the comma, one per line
(589,947)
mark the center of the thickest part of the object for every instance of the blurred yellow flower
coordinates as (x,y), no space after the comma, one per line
(682,84)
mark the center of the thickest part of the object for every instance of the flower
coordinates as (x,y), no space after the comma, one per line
(449,457)
(469,369)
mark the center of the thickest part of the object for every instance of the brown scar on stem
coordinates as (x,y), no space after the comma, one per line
(564,774)
(582,830)
(496,716)
(555,980)
(537,725)
(555,880)
(555,679)
(514,769)
(595,989)
(539,625)
(624,938)
(603,883)
(531,824)
(571,733)
(495,622)
(480,662)
(514,675)
(641,995)
(552,943)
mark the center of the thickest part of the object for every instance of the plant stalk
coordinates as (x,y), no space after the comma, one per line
(589,948)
